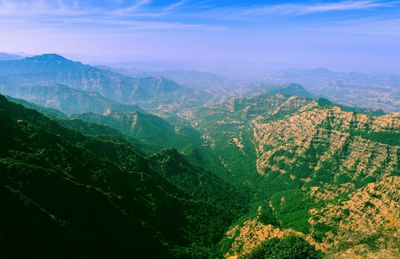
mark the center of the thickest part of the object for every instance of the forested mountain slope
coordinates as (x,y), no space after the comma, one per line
(89,197)
(66,99)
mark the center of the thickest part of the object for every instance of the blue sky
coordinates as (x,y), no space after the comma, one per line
(348,34)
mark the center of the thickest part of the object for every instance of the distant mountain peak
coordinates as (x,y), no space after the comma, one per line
(49,57)
(293,89)
(294,86)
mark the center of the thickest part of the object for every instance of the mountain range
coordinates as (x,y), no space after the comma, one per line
(99,164)
(369,90)
(52,69)
(66,99)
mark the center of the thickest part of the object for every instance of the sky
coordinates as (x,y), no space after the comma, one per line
(343,35)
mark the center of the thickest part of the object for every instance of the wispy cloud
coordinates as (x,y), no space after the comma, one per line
(175,5)
(42,13)
(311,8)
(366,26)
(41,7)
(77,7)
(66,8)
(131,9)
(180,14)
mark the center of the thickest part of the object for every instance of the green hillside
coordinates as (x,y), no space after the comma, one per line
(96,198)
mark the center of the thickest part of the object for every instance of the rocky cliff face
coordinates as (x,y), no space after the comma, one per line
(331,137)
(368,221)
(362,224)
(327,173)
